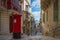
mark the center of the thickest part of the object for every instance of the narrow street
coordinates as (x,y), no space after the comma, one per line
(37,36)
(29,19)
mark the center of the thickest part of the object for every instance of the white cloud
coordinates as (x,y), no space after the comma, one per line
(36,3)
(36,13)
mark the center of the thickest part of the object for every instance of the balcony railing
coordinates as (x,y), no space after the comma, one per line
(11,4)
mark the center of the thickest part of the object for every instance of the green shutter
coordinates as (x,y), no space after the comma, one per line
(56,10)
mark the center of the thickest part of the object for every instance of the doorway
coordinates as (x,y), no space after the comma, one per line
(11,24)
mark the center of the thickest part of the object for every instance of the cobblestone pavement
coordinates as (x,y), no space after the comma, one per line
(38,37)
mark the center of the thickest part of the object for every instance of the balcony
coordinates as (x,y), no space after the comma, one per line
(10,5)
(45,4)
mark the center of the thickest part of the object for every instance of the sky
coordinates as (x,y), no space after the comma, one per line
(35,9)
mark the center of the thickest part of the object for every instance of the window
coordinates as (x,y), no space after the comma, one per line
(15,8)
(26,7)
(44,17)
(3,3)
(20,8)
(56,10)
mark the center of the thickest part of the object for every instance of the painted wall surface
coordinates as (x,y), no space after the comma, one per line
(4,23)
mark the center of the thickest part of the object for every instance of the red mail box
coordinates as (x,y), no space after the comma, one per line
(16,23)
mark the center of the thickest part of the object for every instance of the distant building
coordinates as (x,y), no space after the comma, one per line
(26,16)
